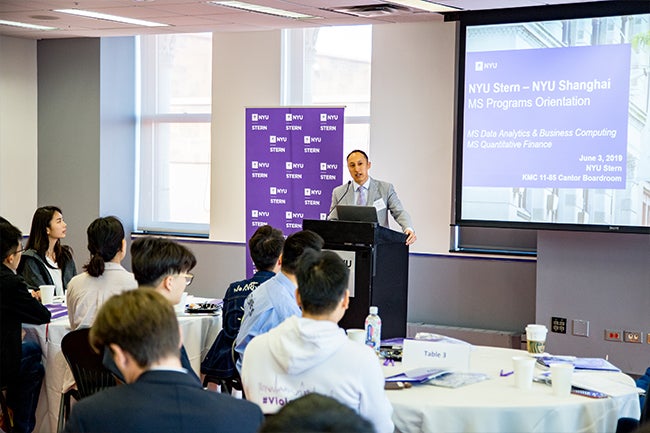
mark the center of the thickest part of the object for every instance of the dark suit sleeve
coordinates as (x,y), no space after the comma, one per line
(24,306)
(73,425)
(186,364)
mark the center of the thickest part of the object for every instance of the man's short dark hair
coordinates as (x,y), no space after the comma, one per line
(316,413)
(10,238)
(265,247)
(322,281)
(153,258)
(142,322)
(365,155)
(295,245)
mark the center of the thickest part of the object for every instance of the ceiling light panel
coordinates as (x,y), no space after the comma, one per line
(108,17)
(262,9)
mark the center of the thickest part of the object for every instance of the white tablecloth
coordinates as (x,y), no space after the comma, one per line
(199,332)
(495,405)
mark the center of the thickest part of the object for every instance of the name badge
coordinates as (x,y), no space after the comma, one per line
(422,353)
(379,204)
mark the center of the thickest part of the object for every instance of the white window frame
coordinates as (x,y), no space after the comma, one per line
(147,160)
(296,86)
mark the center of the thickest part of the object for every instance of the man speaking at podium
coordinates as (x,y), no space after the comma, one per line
(366,191)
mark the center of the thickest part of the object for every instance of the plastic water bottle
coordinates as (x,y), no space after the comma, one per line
(373,329)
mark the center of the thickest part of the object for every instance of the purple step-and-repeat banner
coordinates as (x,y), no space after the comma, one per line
(293,162)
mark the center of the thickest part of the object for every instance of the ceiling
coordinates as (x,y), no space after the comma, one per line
(184,16)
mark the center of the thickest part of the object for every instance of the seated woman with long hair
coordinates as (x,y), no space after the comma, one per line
(46,261)
(104,276)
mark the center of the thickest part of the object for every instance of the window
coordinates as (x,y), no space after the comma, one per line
(174,141)
(331,66)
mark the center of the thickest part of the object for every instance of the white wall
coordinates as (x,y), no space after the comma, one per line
(246,73)
(18,131)
(411,132)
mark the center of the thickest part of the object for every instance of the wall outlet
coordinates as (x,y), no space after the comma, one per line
(613,335)
(633,337)
(558,324)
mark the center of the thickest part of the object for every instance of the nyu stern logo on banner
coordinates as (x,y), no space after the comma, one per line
(293,162)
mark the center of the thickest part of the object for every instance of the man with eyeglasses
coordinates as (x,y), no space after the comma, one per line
(162,265)
(21,369)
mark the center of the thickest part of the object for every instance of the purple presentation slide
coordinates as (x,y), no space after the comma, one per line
(293,162)
(547,118)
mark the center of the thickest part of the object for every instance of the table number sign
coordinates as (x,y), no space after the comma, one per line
(422,353)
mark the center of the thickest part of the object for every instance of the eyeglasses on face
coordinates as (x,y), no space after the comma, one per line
(188,278)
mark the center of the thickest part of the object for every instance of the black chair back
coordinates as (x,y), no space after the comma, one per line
(86,365)
(89,373)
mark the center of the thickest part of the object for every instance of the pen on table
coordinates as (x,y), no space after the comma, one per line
(505,374)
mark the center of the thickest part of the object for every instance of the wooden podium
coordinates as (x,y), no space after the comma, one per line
(380,271)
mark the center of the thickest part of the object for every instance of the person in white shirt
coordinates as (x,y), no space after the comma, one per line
(312,354)
(104,276)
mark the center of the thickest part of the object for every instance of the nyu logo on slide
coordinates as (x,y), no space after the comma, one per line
(278,191)
(260,164)
(291,215)
(309,192)
(324,117)
(289,117)
(255,117)
(481,66)
(325,166)
(291,165)
(259,213)
(277,139)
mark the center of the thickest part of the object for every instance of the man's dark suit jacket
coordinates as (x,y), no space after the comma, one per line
(163,401)
(17,306)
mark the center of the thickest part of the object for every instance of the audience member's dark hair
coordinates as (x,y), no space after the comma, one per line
(322,280)
(142,322)
(365,155)
(105,236)
(40,241)
(10,238)
(316,413)
(4,221)
(154,258)
(295,245)
(265,247)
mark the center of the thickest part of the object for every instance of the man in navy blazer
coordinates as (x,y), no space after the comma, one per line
(141,331)
(367,191)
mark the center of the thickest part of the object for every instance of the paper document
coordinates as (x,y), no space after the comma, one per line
(578,363)
(418,375)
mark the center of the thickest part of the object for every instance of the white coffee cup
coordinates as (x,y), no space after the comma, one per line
(358,335)
(561,374)
(536,338)
(524,367)
(47,294)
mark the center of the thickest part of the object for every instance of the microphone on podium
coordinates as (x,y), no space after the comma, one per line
(347,188)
